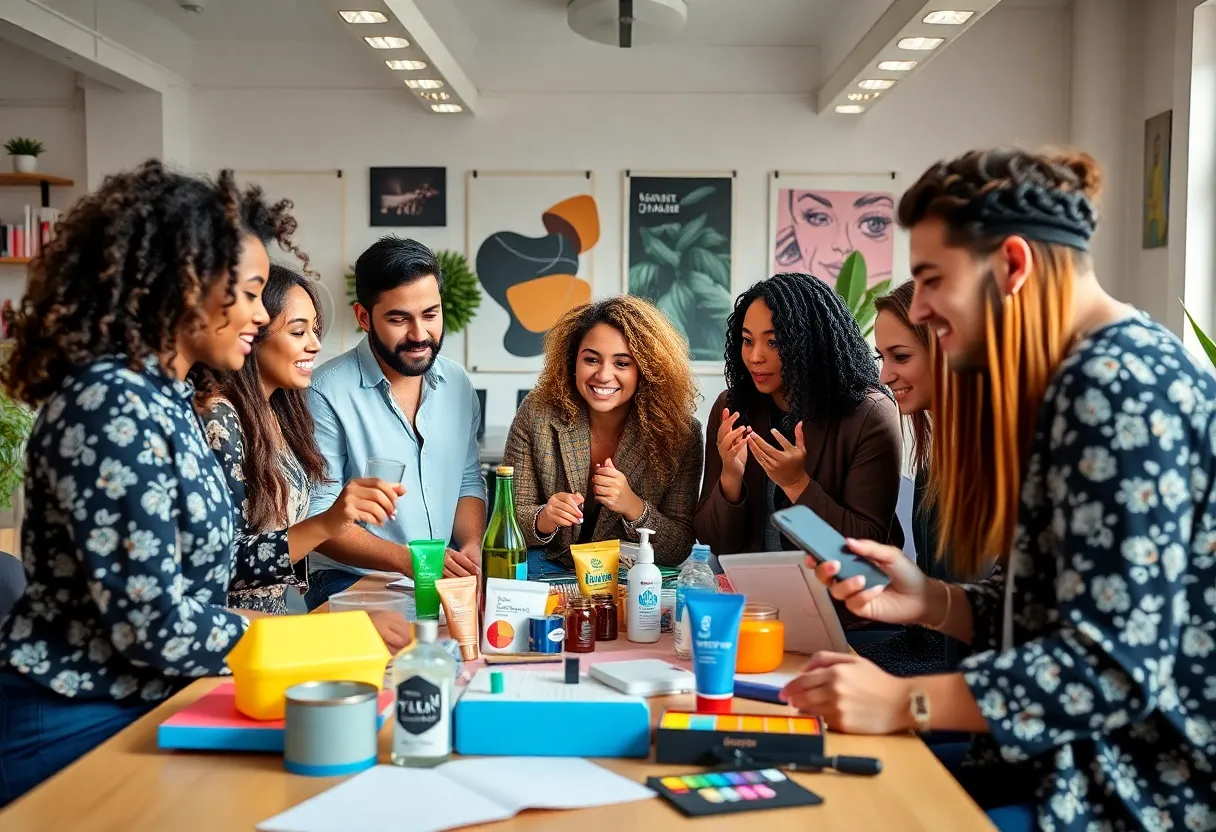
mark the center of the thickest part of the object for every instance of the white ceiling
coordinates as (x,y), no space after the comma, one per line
(296,21)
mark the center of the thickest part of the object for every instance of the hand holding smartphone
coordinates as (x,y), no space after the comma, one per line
(812,534)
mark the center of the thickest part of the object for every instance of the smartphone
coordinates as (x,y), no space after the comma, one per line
(811,533)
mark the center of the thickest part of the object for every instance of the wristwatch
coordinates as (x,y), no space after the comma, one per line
(918,704)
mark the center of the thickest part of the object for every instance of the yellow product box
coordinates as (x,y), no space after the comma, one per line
(284,650)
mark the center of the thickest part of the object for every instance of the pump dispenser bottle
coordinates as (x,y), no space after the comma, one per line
(643,613)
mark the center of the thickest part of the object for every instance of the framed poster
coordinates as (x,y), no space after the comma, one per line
(679,253)
(816,220)
(530,238)
(1158,132)
(408,197)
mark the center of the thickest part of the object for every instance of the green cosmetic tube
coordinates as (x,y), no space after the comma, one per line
(427,556)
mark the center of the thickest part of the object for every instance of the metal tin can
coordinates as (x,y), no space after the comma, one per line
(546,633)
(330,728)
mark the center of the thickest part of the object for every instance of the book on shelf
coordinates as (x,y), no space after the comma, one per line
(26,236)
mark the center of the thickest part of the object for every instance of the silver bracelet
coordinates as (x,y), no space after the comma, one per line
(640,523)
(541,538)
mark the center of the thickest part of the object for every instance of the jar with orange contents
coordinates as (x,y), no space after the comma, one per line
(761,640)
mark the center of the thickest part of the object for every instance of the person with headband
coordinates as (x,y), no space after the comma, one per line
(1074,442)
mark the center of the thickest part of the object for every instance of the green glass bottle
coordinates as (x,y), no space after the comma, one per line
(504,552)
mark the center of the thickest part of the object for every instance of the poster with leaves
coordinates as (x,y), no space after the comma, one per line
(679,252)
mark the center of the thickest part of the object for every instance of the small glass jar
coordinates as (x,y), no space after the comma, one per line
(606,625)
(761,640)
(580,625)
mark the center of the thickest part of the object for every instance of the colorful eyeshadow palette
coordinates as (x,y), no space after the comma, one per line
(727,792)
(702,739)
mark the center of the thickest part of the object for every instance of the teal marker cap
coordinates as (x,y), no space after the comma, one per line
(496,682)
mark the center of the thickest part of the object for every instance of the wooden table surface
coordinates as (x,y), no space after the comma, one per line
(129,784)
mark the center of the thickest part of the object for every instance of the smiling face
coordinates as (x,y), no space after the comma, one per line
(950,289)
(230,325)
(825,227)
(405,326)
(760,355)
(905,363)
(285,357)
(605,372)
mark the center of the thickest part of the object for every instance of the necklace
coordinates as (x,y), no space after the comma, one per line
(607,442)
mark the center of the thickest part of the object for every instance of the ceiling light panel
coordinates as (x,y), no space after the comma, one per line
(364,17)
(447,108)
(947,17)
(435,96)
(387,42)
(850,109)
(920,44)
(411,66)
(876,84)
(423,83)
(897,66)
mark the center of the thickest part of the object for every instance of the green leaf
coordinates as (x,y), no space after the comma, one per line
(667,229)
(695,196)
(712,301)
(690,233)
(715,265)
(877,290)
(1204,341)
(658,250)
(712,238)
(642,279)
(679,305)
(851,282)
(865,319)
(461,293)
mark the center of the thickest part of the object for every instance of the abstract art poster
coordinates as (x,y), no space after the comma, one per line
(1158,131)
(679,252)
(408,197)
(817,220)
(530,238)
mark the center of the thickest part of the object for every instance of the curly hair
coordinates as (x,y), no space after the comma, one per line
(827,367)
(128,270)
(665,386)
(267,489)
(983,422)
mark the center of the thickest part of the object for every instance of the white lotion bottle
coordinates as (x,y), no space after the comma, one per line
(643,616)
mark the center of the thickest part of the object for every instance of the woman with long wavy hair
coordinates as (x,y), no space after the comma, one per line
(259,427)
(128,539)
(607,442)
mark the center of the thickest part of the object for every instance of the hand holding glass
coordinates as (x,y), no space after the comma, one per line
(389,470)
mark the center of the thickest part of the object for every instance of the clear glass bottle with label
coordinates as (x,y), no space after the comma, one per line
(424,679)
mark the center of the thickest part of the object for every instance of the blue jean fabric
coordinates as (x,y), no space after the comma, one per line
(42,732)
(990,790)
(325,583)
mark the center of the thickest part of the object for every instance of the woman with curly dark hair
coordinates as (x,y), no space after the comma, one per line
(127,541)
(607,443)
(257,422)
(803,420)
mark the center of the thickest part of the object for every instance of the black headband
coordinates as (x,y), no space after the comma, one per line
(1065,218)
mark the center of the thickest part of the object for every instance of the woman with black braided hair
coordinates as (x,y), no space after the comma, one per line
(803,420)
(127,541)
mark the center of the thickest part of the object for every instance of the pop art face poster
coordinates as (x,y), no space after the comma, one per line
(818,221)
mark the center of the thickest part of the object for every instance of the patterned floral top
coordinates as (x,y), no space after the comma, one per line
(127,542)
(268,548)
(1108,690)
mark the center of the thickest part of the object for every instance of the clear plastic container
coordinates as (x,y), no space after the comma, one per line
(385,600)
(695,575)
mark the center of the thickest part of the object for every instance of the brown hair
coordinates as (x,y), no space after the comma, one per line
(666,390)
(983,422)
(128,270)
(898,301)
(262,421)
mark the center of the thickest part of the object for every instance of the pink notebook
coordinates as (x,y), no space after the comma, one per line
(213,723)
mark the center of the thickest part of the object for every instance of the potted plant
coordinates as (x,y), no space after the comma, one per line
(25,153)
(851,286)
(461,292)
(1206,342)
(16,422)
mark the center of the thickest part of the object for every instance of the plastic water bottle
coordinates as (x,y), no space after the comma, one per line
(695,574)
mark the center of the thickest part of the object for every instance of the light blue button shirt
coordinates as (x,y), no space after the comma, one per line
(357,418)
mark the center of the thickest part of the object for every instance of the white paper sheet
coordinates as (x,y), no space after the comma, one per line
(456,794)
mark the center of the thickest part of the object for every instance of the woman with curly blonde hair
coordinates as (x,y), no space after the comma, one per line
(607,442)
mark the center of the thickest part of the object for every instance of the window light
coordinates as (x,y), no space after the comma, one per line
(387,43)
(364,17)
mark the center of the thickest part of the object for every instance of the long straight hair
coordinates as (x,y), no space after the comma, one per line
(984,422)
(898,302)
(266,485)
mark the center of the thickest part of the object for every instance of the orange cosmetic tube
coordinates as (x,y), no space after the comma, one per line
(459,599)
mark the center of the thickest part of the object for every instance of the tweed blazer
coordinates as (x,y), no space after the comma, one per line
(552,455)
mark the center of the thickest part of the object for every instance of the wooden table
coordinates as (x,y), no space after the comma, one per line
(128,784)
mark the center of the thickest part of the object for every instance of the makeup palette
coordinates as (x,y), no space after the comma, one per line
(727,792)
(702,739)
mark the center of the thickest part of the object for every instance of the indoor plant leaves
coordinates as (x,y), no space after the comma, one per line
(1204,340)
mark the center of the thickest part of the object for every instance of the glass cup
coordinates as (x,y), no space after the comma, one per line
(384,600)
(389,470)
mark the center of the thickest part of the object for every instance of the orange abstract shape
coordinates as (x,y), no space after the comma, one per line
(577,219)
(540,302)
(500,634)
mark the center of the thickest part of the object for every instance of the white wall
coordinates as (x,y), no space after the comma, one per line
(1002,83)
(1200,266)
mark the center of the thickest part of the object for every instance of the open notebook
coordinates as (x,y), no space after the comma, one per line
(456,794)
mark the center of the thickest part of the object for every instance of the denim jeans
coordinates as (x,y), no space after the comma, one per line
(997,794)
(42,732)
(325,583)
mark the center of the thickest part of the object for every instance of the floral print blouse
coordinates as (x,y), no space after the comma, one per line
(268,548)
(1108,690)
(127,542)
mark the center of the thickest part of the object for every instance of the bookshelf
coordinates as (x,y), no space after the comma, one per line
(42,181)
(15,261)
